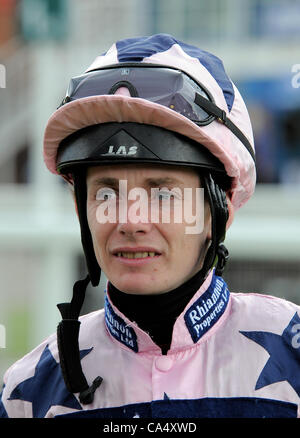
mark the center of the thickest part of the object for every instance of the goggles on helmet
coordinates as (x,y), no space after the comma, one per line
(166,86)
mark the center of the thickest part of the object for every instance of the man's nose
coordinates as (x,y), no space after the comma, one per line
(134,220)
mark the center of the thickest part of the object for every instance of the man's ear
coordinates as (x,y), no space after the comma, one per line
(230,211)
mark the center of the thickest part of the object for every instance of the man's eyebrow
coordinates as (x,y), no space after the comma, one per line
(105,181)
(151,182)
(154,182)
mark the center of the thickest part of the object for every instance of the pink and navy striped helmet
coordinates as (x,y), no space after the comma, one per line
(227,135)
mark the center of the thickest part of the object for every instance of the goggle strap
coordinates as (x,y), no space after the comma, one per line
(220,114)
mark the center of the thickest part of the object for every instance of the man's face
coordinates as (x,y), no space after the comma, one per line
(138,253)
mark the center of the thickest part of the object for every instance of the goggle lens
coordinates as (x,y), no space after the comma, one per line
(168,87)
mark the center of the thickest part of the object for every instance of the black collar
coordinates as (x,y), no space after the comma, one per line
(156,314)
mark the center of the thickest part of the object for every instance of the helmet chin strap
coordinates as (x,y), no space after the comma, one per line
(217,252)
(68,328)
(80,188)
(68,345)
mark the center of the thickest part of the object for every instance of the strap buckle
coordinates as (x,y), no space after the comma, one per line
(222,117)
(223,255)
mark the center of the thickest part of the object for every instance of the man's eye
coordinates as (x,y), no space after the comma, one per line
(164,196)
(105,194)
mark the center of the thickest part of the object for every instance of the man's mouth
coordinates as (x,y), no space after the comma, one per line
(136,255)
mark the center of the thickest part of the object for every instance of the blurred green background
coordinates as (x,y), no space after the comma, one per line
(45,42)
